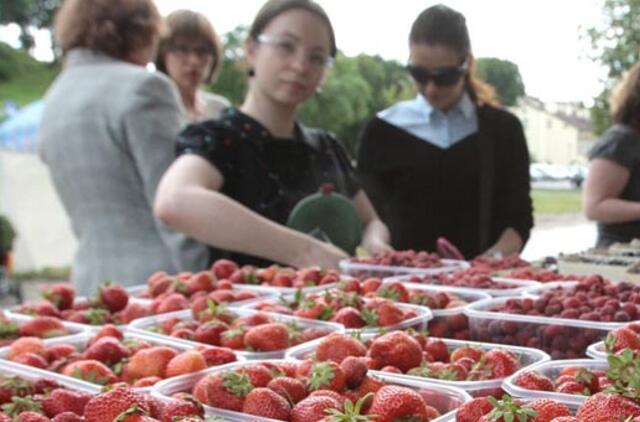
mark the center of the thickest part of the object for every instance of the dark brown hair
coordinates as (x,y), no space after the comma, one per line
(274,8)
(624,101)
(441,25)
(113,27)
(191,26)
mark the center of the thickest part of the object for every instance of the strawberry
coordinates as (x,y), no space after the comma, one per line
(67,417)
(473,353)
(41,308)
(223,268)
(142,382)
(473,410)
(266,403)
(233,339)
(501,362)
(622,338)
(150,362)
(107,406)
(327,375)
(31,359)
(354,370)
(107,350)
(61,295)
(184,363)
(27,345)
(573,387)
(395,291)
(267,337)
(215,356)
(291,389)
(202,281)
(113,296)
(226,391)
(369,385)
(186,406)
(173,302)
(533,380)
(209,332)
(159,282)
(134,414)
(30,417)
(313,408)
(108,330)
(547,410)
(398,349)
(337,347)
(350,317)
(44,386)
(437,349)
(134,310)
(62,400)
(90,370)
(371,285)
(393,402)
(258,374)
(605,407)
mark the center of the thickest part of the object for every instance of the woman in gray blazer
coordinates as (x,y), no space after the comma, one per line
(107,135)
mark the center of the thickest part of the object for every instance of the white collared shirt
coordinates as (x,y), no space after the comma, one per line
(432,125)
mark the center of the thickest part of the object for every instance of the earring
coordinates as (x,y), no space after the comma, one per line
(251,72)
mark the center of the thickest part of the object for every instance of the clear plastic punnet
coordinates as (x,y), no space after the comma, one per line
(526,357)
(34,374)
(146,326)
(451,417)
(562,338)
(361,270)
(423,316)
(597,350)
(73,328)
(551,369)
(81,341)
(140,292)
(445,399)
(512,286)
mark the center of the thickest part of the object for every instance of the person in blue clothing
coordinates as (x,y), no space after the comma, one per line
(450,163)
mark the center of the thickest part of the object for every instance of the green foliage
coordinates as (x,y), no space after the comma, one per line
(7,234)
(504,76)
(232,81)
(616,46)
(28,13)
(556,201)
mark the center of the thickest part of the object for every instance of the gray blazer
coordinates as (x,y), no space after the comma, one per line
(107,136)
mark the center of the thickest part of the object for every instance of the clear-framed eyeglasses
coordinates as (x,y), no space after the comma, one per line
(288,48)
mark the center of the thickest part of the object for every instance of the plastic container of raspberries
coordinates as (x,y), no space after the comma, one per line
(562,338)
(444,399)
(33,374)
(80,342)
(551,369)
(525,356)
(503,286)
(146,326)
(361,270)
(419,322)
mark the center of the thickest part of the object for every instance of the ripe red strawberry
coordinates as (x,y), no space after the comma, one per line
(30,417)
(27,345)
(41,308)
(233,339)
(337,347)
(623,338)
(533,380)
(266,403)
(90,370)
(473,410)
(134,414)
(186,406)
(226,391)
(395,291)
(473,353)
(398,349)
(62,400)
(258,374)
(223,268)
(134,310)
(267,337)
(547,410)
(350,317)
(327,376)
(61,295)
(31,359)
(159,282)
(313,408)
(215,356)
(354,370)
(290,388)
(437,349)
(107,406)
(393,402)
(202,281)
(107,350)
(209,332)
(108,330)
(185,363)
(173,302)
(501,362)
(150,362)
(113,296)
(67,417)
(605,407)
(389,314)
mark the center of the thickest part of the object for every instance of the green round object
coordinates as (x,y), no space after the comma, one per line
(328,216)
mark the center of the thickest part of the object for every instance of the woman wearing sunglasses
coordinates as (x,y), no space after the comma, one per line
(448,163)
(238,178)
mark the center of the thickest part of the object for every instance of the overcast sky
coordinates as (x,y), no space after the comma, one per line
(541,36)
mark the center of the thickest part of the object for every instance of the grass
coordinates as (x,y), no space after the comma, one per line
(560,201)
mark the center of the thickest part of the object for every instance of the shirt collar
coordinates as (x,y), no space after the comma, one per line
(464,106)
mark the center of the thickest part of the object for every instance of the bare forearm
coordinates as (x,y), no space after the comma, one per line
(613,210)
(509,242)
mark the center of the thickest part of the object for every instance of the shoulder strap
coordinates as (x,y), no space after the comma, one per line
(487,183)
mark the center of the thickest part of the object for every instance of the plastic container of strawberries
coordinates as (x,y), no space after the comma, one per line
(33,374)
(143,325)
(512,286)
(80,342)
(420,321)
(561,338)
(140,293)
(551,369)
(451,417)
(445,399)
(526,357)
(361,270)
(73,328)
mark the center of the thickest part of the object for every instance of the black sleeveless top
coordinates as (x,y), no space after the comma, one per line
(266,174)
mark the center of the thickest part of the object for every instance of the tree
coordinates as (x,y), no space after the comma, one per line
(27,14)
(232,81)
(504,76)
(616,46)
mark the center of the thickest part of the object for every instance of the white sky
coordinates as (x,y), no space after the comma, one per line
(541,36)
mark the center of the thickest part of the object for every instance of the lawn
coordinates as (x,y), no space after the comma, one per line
(556,201)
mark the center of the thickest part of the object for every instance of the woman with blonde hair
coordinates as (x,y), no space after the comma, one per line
(612,189)
(190,52)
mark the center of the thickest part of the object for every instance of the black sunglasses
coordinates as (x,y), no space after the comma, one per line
(445,76)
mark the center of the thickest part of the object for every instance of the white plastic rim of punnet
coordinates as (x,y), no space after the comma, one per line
(74,328)
(424,315)
(33,374)
(517,286)
(526,357)
(143,325)
(545,287)
(81,341)
(446,399)
(351,268)
(451,417)
(551,369)
(597,351)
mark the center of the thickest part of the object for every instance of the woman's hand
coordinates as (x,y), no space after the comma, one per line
(375,244)
(321,254)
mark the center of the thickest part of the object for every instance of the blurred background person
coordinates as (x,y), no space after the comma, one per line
(190,52)
(107,135)
(612,190)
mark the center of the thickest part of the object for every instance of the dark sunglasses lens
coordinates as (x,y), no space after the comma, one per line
(419,74)
(449,77)
(422,76)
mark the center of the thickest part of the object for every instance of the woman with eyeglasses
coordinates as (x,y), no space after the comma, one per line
(239,177)
(449,163)
(190,52)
